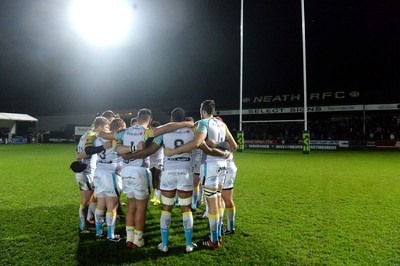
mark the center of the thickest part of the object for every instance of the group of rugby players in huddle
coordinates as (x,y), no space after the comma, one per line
(191,157)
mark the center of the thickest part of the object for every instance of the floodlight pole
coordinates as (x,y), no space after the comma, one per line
(306,133)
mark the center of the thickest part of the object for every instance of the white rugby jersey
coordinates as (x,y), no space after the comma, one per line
(91,161)
(173,140)
(215,130)
(108,156)
(131,137)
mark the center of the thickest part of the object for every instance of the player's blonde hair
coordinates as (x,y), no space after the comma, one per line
(100,121)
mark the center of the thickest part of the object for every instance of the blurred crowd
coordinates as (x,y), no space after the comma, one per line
(373,129)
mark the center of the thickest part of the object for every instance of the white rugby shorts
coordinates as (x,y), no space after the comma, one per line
(158,164)
(213,174)
(177,179)
(136,182)
(107,183)
(230,175)
(85,181)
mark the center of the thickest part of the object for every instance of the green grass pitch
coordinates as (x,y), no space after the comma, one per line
(326,208)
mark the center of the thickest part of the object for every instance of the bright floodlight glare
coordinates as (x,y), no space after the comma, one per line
(102,22)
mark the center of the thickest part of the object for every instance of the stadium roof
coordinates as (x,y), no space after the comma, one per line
(16,117)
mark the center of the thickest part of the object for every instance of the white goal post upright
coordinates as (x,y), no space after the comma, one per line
(240,135)
(306,133)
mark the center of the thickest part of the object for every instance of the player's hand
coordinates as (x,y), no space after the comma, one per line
(81,155)
(107,145)
(168,152)
(189,123)
(140,146)
(211,143)
(224,145)
(135,148)
(227,154)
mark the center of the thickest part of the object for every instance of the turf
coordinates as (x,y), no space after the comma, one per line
(326,208)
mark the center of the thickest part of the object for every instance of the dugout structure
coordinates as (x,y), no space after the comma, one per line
(17,127)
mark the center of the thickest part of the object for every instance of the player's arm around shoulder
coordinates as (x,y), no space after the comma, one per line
(199,137)
(90,147)
(154,147)
(171,126)
(213,151)
(231,140)
(81,155)
(109,134)
(123,149)
(118,136)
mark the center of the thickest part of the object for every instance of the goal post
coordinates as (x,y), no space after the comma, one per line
(306,133)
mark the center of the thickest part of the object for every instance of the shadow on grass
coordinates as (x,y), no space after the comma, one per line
(92,251)
(49,236)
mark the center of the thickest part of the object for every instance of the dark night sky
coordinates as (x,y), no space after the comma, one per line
(183,52)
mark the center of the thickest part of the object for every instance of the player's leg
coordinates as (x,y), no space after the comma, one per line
(85,183)
(185,192)
(221,206)
(92,209)
(153,182)
(83,209)
(200,201)
(195,196)
(210,186)
(90,217)
(187,218)
(113,188)
(213,213)
(230,210)
(99,214)
(140,219)
(165,218)
(168,182)
(100,184)
(221,213)
(111,215)
(130,220)
(227,195)
(157,193)
(127,174)
(141,194)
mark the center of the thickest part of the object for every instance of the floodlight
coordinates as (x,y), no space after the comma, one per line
(102,22)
